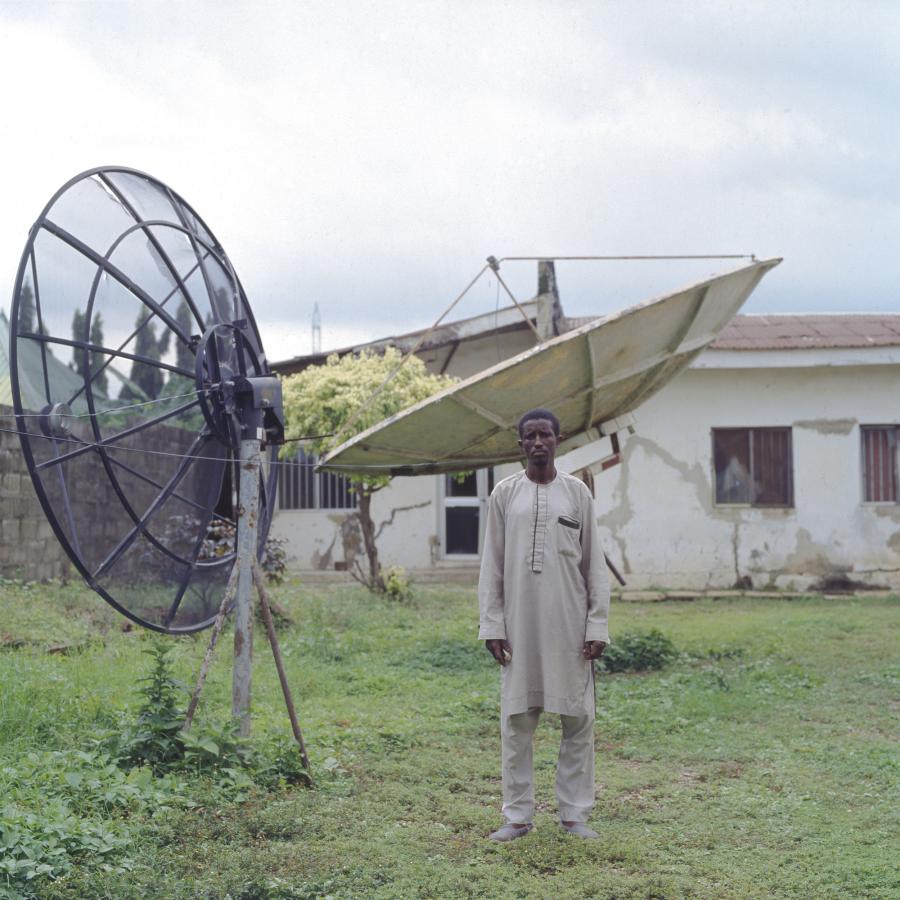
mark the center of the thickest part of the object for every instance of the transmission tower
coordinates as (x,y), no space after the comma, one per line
(316,330)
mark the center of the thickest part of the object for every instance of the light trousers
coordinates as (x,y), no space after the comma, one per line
(574,767)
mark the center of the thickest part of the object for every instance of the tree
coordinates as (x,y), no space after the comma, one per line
(184,357)
(100,381)
(26,309)
(146,378)
(83,365)
(323,399)
(79,358)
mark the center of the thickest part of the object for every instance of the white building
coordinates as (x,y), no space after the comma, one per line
(771,461)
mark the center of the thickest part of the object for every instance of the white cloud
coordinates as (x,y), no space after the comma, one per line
(368,156)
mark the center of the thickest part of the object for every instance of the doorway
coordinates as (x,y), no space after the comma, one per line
(463,508)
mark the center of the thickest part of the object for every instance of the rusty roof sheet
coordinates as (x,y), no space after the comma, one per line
(809,331)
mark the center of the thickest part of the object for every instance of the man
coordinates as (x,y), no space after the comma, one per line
(544,602)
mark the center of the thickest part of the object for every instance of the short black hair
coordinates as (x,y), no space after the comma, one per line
(539,414)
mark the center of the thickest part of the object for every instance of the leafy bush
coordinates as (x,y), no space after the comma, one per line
(274,561)
(638,652)
(397,584)
(45,844)
(220,541)
(210,747)
(156,740)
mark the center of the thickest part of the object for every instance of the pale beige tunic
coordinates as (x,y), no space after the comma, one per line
(544,588)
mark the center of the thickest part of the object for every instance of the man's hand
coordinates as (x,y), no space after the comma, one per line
(593,649)
(500,650)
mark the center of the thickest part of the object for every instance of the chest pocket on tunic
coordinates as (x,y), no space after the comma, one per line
(568,534)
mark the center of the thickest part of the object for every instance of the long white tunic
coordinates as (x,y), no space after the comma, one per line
(544,588)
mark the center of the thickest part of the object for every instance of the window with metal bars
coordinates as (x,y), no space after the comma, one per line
(754,466)
(301,487)
(880,463)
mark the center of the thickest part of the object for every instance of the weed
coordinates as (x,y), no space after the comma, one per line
(638,652)
(280,765)
(58,809)
(218,751)
(397,584)
(458,655)
(156,739)
(725,651)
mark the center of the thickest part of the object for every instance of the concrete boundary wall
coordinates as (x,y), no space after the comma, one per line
(28,548)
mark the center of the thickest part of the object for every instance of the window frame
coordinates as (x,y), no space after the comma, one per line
(484,480)
(303,465)
(753,504)
(862,464)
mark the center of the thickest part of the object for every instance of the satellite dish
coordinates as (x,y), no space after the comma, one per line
(131,347)
(591,377)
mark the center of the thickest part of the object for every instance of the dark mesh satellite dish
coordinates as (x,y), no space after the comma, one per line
(127,413)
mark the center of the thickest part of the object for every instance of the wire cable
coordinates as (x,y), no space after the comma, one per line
(117,409)
(639,258)
(422,338)
(91,445)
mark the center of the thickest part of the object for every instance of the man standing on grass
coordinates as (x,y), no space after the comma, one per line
(544,602)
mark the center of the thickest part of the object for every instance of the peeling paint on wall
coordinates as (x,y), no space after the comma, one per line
(322,559)
(345,545)
(351,539)
(828,426)
(694,475)
(619,516)
(812,558)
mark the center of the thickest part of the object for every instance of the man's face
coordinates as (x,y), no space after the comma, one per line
(539,442)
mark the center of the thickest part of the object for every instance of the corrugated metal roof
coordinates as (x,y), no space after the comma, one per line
(815,330)
(800,331)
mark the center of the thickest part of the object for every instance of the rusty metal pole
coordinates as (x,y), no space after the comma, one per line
(213,640)
(243,609)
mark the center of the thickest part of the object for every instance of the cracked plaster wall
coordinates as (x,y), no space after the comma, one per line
(657,513)
(317,539)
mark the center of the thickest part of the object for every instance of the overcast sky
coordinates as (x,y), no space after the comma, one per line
(369,156)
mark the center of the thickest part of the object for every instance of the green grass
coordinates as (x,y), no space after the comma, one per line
(762,763)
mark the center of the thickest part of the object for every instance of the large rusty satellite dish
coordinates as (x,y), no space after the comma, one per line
(589,376)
